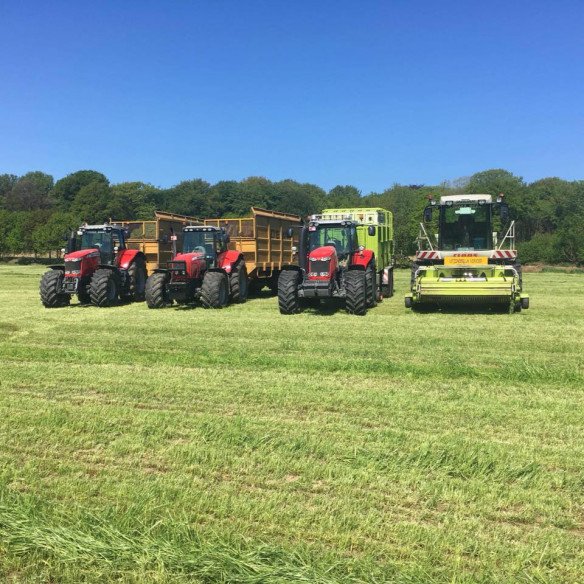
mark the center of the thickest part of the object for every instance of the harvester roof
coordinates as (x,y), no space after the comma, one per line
(453,199)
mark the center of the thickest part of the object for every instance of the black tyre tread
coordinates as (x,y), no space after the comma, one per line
(83,296)
(49,290)
(237,294)
(356,298)
(370,283)
(288,301)
(98,289)
(135,295)
(155,291)
(211,290)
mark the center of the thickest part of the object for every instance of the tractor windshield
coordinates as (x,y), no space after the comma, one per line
(465,227)
(204,242)
(101,240)
(341,237)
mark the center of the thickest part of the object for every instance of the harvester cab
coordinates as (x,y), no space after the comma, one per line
(205,270)
(98,267)
(465,261)
(337,259)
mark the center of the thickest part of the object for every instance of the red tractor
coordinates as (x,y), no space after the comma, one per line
(331,265)
(98,267)
(205,271)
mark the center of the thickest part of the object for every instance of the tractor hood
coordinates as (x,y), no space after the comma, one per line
(80,254)
(195,263)
(320,253)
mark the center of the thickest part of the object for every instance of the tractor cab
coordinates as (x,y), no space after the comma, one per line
(106,239)
(340,235)
(206,242)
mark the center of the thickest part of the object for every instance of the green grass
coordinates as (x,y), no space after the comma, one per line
(243,446)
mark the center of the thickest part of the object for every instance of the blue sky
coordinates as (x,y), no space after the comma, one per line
(332,92)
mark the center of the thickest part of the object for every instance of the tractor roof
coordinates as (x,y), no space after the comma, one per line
(453,199)
(341,222)
(202,228)
(103,227)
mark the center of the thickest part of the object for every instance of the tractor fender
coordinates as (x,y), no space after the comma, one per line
(127,256)
(229,259)
(362,258)
(291,267)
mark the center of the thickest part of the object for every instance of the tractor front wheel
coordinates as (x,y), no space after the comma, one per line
(136,280)
(215,290)
(156,292)
(51,286)
(288,292)
(356,292)
(238,284)
(83,295)
(104,288)
(371,287)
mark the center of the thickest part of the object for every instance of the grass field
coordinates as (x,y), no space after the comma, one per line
(242,446)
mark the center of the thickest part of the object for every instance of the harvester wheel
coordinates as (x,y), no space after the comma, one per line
(104,288)
(137,280)
(288,292)
(238,284)
(371,287)
(408,302)
(83,295)
(525,303)
(356,298)
(51,295)
(215,290)
(156,292)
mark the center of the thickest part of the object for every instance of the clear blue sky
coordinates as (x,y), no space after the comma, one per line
(332,92)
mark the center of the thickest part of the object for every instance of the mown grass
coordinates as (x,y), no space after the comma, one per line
(242,446)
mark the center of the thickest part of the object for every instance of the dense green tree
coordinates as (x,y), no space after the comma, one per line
(30,192)
(7,182)
(343,196)
(189,197)
(93,203)
(66,189)
(133,200)
(50,236)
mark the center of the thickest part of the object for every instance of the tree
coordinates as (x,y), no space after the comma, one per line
(66,189)
(30,192)
(189,197)
(92,203)
(343,196)
(133,200)
(50,235)
(7,182)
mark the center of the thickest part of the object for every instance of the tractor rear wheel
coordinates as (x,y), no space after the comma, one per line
(238,284)
(356,292)
(136,280)
(156,292)
(51,285)
(104,288)
(371,287)
(215,290)
(288,292)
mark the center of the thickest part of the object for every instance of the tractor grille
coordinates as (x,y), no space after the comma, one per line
(319,267)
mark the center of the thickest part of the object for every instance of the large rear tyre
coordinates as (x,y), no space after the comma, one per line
(288,301)
(104,289)
(215,290)
(137,280)
(356,292)
(238,283)
(50,290)
(371,285)
(156,292)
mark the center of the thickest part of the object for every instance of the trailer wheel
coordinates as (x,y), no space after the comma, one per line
(156,292)
(356,298)
(50,290)
(104,288)
(288,301)
(370,284)
(136,280)
(238,284)
(214,291)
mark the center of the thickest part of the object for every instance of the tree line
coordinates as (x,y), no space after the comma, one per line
(36,211)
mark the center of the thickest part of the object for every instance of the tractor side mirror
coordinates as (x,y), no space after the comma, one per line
(289,232)
(371,230)
(504,212)
(427,214)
